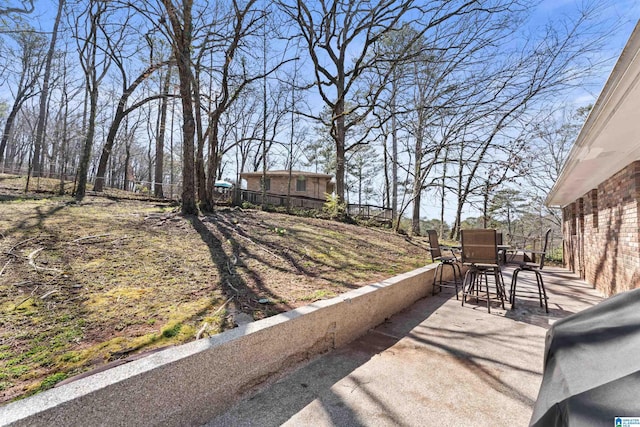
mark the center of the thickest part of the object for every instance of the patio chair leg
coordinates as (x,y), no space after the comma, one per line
(512,291)
(437,283)
(543,294)
(435,279)
(499,285)
(455,280)
(459,270)
(469,284)
(464,287)
(486,282)
(539,289)
(477,282)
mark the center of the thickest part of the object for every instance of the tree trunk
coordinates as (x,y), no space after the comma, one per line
(208,200)
(417,184)
(201,176)
(455,229)
(443,193)
(360,177)
(182,48)
(386,203)
(127,165)
(83,170)
(65,141)
(394,152)
(161,134)
(45,92)
(339,137)
(171,180)
(8,125)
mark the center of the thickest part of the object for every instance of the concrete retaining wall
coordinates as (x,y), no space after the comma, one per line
(191,383)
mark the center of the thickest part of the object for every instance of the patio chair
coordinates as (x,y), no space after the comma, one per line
(535,268)
(451,261)
(480,253)
(502,253)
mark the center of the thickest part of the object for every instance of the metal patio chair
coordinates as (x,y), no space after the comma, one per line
(452,261)
(534,267)
(480,254)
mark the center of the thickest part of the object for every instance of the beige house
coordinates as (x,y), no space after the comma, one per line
(599,187)
(304,184)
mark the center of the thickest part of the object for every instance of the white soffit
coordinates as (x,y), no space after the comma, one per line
(610,137)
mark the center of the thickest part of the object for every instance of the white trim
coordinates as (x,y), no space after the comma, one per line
(610,137)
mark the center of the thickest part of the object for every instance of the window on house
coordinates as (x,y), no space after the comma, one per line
(301,184)
(267,184)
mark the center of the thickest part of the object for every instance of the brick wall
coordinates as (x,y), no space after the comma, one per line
(601,233)
(316,187)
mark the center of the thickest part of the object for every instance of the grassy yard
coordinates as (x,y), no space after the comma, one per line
(85,285)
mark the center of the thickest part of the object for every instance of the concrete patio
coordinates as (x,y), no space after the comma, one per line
(436,363)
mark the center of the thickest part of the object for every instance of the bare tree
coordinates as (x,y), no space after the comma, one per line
(499,110)
(24,8)
(338,36)
(159,172)
(94,66)
(29,58)
(44,93)
(181,21)
(244,21)
(122,110)
(553,136)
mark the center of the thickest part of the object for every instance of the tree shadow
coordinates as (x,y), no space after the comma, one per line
(41,214)
(232,284)
(280,400)
(295,254)
(311,390)
(609,259)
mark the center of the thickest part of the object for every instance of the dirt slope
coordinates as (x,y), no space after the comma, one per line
(85,285)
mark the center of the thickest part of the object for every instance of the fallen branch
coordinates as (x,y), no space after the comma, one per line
(202,330)
(10,251)
(229,268)
(231,286)
(48,294)
(27,283)
(223,305)
(32,257)
(28,298)
(90,237)
(4,267)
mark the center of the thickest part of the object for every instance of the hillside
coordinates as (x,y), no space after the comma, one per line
(84,286)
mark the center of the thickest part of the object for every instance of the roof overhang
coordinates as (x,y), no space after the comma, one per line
(610,137)
(273,173)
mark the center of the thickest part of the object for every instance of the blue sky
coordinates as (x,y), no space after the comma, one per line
(619,17)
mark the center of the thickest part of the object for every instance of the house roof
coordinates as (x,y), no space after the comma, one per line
(286,173)
(610,137)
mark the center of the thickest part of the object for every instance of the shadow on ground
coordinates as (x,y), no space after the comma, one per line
(312,384)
